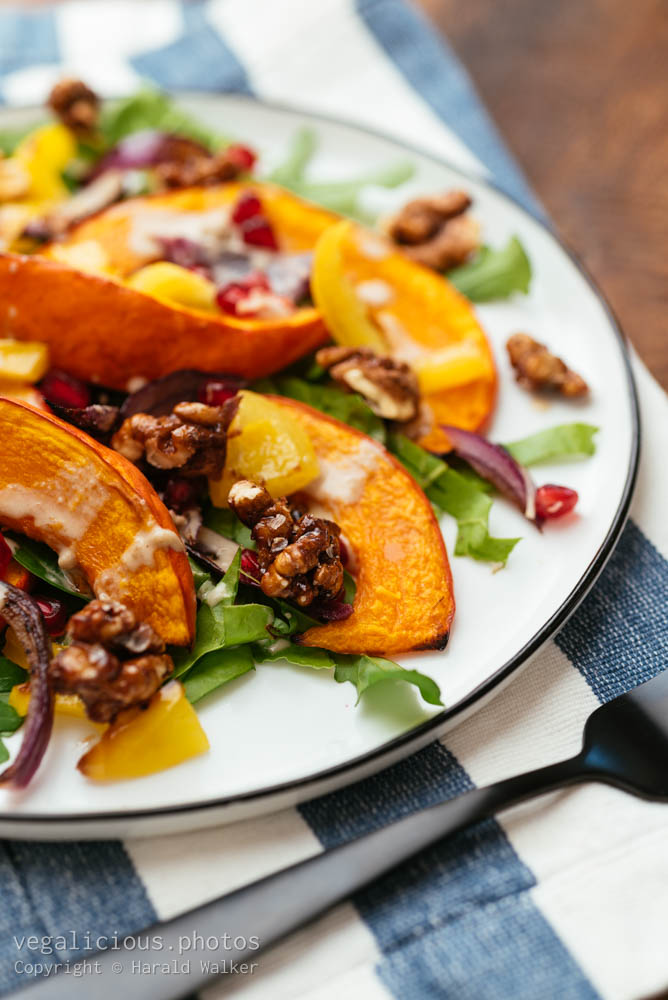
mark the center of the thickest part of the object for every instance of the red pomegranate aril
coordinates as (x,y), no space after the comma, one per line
(62,389)
(54,614)
(258,232)
(229,296)
(5,557)
(247,207)
(216,393)
(554,501)
(250,567)
(242,157)
(180,495)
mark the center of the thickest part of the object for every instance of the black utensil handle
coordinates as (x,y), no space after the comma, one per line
(257,915)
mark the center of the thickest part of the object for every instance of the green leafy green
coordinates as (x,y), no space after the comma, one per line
(43,563)
(217,668)
(302,656)
(10,674)
(365,671)
(226,523)
(494,274)
(289,619)
(300,153)
(223,624)
(555,442)
(151,109)
(4,753)
(345,406)
(200,575)
(10,720)
(11,137)
(458,495)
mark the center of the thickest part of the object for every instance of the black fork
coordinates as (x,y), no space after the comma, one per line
(625,745)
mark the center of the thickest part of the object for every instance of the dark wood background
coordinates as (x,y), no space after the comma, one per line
(579,89)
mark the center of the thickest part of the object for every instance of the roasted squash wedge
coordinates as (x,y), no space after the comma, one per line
(101,330)
(99,513)
(404,597)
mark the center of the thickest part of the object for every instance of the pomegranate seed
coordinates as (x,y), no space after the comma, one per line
(180,495)
(54,614)
(242,157)
(229,296)
(64,390)
(258,232)
(5,556)
(554,501)
(216,393)
(333,611)
(250,567)
(248,205)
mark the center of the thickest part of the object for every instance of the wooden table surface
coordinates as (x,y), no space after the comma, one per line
(579,90)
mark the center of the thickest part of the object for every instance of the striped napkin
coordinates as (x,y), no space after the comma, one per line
(564,897)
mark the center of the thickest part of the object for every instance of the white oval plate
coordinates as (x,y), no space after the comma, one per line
(284,734)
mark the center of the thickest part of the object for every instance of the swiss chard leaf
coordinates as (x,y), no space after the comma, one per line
(43,563)
(458,495)
(345,406)
(217,668)
(151,109)
(565,440)
(10,720)
(365,671)
(10,674)
(494,274)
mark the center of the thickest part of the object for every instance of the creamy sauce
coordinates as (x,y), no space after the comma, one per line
(344,481)
(57,504)
(374,292)
(211,230)
(141,551)
(214,595)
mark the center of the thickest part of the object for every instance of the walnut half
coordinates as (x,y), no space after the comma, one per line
(536,368)
(75,104)
(436,230)
(299,556)
(192,439)
(113,662)
(389,387)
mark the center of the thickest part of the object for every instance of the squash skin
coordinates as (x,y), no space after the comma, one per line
(78,480)
(404,598)
(102,331)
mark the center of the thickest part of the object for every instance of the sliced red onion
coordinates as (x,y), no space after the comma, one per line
(331,611)
(497,466)
(161,396)
(23,614)
(148,148)
(97,419)
(217,549)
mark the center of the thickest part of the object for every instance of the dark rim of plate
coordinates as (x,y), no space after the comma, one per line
(358,768)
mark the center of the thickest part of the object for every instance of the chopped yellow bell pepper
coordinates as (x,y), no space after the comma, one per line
(44,154)
(174,284)
(268,446)
(144,741)
(346,316)
(65,704)
(23,361)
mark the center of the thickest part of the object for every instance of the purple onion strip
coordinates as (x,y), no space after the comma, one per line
(24,616)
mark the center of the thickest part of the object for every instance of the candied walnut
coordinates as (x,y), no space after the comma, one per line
(197,170)
(389,387)
(75,104)
(113,661)
(299,556)
(436,230)
(536,368)
(192,439)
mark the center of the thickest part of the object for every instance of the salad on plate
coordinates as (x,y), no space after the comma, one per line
(233,409)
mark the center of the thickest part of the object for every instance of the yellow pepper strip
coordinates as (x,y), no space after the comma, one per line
(144,741)
(65,704)
(345,315)
(176,285)
(269,446)
(44,154)
(23,361)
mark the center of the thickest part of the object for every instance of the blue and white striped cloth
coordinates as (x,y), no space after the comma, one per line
(560,898)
